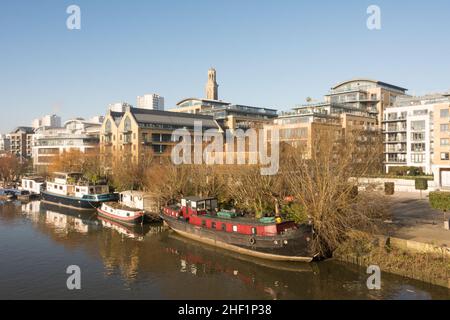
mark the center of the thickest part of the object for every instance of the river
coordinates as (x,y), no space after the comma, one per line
(38,242)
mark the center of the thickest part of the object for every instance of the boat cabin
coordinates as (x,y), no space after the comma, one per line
(204,212)
(198,206)
(33,184)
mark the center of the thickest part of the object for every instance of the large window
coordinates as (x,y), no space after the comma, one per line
(444,142)
(416,136)
(127,124)
(417,158)
(418,125)
(444,113)
(108,126)
(444,127)
(418,147)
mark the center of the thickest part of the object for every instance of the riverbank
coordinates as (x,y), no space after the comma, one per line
(392,256)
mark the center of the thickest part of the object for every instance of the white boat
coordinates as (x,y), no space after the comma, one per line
(122,213)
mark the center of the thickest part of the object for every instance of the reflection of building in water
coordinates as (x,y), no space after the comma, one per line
(66,223)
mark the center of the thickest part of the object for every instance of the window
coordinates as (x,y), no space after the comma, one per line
(203,223)
(417,158)
(127,125)
(253,230)
(444,127)
(415,136)
(108,126)
(418,125)
(213,225)
(224,227)
(418,147)
(444,156)
(444,142)
(235,228)
(444,113)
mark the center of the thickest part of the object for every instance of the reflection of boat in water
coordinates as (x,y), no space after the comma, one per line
(68,219)
(136,232)
(278,265)
(271,278)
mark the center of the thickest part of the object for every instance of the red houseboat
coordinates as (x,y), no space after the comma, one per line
(267,238)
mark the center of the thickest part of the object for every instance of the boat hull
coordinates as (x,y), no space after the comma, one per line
(71,202)
(138,219)
(295,246)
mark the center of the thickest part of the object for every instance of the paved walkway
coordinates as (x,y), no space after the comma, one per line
(414,219)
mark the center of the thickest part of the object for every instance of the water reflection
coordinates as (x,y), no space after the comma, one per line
(151,262)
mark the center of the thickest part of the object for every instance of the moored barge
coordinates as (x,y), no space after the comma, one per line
(73,191)
(268,238)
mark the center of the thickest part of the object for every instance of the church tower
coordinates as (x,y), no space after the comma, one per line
(212,92)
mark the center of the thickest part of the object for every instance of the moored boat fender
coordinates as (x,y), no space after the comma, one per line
(252,241)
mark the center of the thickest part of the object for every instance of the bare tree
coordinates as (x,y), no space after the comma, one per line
(324,182)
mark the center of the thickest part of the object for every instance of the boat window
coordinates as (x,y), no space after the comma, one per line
(224,227)
(235,229)
(213,225)
(214,204)
(201,205)
(253,230)
(203,223)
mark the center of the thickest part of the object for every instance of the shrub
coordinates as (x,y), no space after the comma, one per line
(440,200)
(421,184)
(389,188)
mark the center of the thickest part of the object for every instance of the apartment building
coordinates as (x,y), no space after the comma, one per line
(302,126)
(371,97)
(150,101)
(417,134)
(49,121)
(76,134)
(4,143)
(141,134)
(21,140)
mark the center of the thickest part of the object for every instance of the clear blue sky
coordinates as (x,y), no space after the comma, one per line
(267,53)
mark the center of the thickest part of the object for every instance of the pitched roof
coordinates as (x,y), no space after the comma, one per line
(175,119)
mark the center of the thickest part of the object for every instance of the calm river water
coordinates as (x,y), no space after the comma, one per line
(38,242)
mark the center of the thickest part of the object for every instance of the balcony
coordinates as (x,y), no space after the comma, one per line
(395,161)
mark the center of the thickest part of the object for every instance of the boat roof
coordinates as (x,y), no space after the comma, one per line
(194,198)
(133,192)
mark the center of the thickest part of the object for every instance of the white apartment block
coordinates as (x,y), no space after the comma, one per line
(150,101)
(4,143)
(49,121)
(409,138)
(416,133)
(118,106)
(77,134)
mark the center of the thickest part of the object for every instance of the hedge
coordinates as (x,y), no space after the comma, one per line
(440,200)
(421,184)
(405,171)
